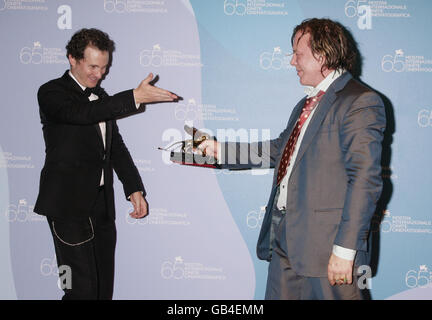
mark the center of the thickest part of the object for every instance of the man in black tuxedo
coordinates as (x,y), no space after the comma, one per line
(83,146)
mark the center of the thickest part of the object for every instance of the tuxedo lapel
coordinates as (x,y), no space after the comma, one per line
(108,124)
(99,132)
(74,86)
(108,137)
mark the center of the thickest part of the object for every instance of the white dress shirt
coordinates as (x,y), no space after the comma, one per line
(341,252)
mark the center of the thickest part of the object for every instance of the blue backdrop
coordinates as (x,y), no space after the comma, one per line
(227,59)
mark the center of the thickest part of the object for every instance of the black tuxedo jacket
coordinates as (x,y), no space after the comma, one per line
(75,155)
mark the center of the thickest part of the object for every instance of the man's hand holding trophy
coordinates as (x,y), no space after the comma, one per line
(201,150)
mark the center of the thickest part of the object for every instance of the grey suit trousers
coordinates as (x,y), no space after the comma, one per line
(283,283)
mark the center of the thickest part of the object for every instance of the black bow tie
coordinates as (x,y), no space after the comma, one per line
(95,90)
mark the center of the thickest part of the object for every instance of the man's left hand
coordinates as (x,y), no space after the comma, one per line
(140,205)
(339,271)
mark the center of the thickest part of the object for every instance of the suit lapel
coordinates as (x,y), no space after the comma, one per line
(315,124)
(320,113)
(290,127)
(295,115)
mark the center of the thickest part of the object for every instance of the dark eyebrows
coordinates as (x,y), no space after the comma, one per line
(96,66)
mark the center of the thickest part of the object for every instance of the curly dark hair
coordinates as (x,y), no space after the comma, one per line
(85,37)
(331,40)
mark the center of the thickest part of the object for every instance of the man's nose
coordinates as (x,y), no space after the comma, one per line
(98,74)
(293,61)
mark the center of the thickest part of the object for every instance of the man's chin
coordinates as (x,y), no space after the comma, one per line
(306,83)
(92,83)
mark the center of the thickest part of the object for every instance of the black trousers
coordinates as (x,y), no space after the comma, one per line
(85,251)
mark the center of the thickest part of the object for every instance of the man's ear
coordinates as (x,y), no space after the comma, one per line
(319,57)
(322,61)
(72,60)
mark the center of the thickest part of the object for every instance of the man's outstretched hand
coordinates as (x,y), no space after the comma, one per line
(147,93)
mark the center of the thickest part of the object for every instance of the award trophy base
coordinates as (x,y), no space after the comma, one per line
(192,159)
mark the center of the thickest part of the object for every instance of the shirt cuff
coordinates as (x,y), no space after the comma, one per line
(128,198)
(344,253)
(137,105)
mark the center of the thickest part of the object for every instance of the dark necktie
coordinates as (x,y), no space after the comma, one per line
(309,105)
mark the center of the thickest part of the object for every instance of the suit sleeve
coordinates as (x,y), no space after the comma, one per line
(361,142)
(124,166)
(261,154)
(59,105)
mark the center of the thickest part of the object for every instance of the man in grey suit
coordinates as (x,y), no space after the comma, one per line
(327,177)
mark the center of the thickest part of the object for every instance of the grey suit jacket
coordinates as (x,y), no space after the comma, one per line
(335,182)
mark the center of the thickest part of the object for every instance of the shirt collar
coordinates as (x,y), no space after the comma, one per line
(72,76)
(324,84)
